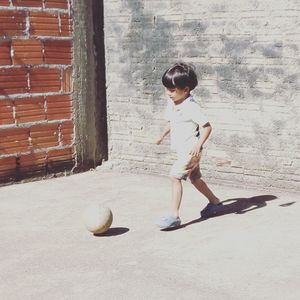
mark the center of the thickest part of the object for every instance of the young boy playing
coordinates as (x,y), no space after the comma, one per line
(184,118)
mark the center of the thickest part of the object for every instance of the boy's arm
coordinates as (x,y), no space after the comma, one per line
(165,132)
(203,137)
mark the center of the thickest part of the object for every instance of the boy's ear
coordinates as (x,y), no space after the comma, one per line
(186,89)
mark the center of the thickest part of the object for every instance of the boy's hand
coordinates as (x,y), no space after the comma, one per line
(196,151)
(164,134)
(158,141)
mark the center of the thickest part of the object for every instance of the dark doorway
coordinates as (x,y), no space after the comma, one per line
(100,84)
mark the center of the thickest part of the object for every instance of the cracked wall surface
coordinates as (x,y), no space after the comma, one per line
(247,57)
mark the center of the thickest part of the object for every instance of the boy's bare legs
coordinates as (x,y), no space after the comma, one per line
(202,187)
(176,196)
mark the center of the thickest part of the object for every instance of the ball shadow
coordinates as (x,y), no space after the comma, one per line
(113,231)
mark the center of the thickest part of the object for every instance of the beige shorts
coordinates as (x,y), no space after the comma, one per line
(187,166)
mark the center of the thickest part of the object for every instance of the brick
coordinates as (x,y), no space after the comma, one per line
(32,164)
(5,53)
(62,4)
(33,159)
(59,107)
(60,160)
(30,110)
(13,81)
(27,52)
(8,163)
(28,3)
(44,24)
(67,80)
(12,23)
(6,112)
(8,167)
(14,140)
(43,80)
(44,136)
(4,3)
(60,155)
(67,133)
(58,52)
(66,25)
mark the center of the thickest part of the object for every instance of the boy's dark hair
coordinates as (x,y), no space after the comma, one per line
(180,76)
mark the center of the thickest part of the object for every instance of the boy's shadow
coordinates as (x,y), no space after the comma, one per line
(235,206)
(244,205)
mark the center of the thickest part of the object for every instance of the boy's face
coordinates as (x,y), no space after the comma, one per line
(178,95)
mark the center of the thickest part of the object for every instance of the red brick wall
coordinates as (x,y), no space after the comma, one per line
(36,127)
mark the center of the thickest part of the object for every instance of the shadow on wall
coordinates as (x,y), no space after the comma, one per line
(237,79)
(244,82)
(150,49)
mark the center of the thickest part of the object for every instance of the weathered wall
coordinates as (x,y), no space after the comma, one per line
(52,87)
(89,84)
(36,127)
(247,56)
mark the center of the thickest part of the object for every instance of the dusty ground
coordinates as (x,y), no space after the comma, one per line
(250,252)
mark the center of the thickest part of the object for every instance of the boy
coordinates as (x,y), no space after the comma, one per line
(185,118)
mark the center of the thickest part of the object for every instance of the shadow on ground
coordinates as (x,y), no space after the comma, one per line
(237,206)
(113,231)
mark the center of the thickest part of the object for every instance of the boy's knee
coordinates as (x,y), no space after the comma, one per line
(174,179)
(196,180)
(193,180)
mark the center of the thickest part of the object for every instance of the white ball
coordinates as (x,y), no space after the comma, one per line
(97,218)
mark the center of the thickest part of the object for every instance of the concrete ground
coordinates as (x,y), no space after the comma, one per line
(250,252)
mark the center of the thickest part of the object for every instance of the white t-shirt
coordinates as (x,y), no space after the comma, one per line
(185,120)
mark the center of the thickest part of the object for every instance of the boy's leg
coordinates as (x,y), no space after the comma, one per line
(202,187)
(176,196)
(177,174)
(173,219)
(199,184)
(215,206)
